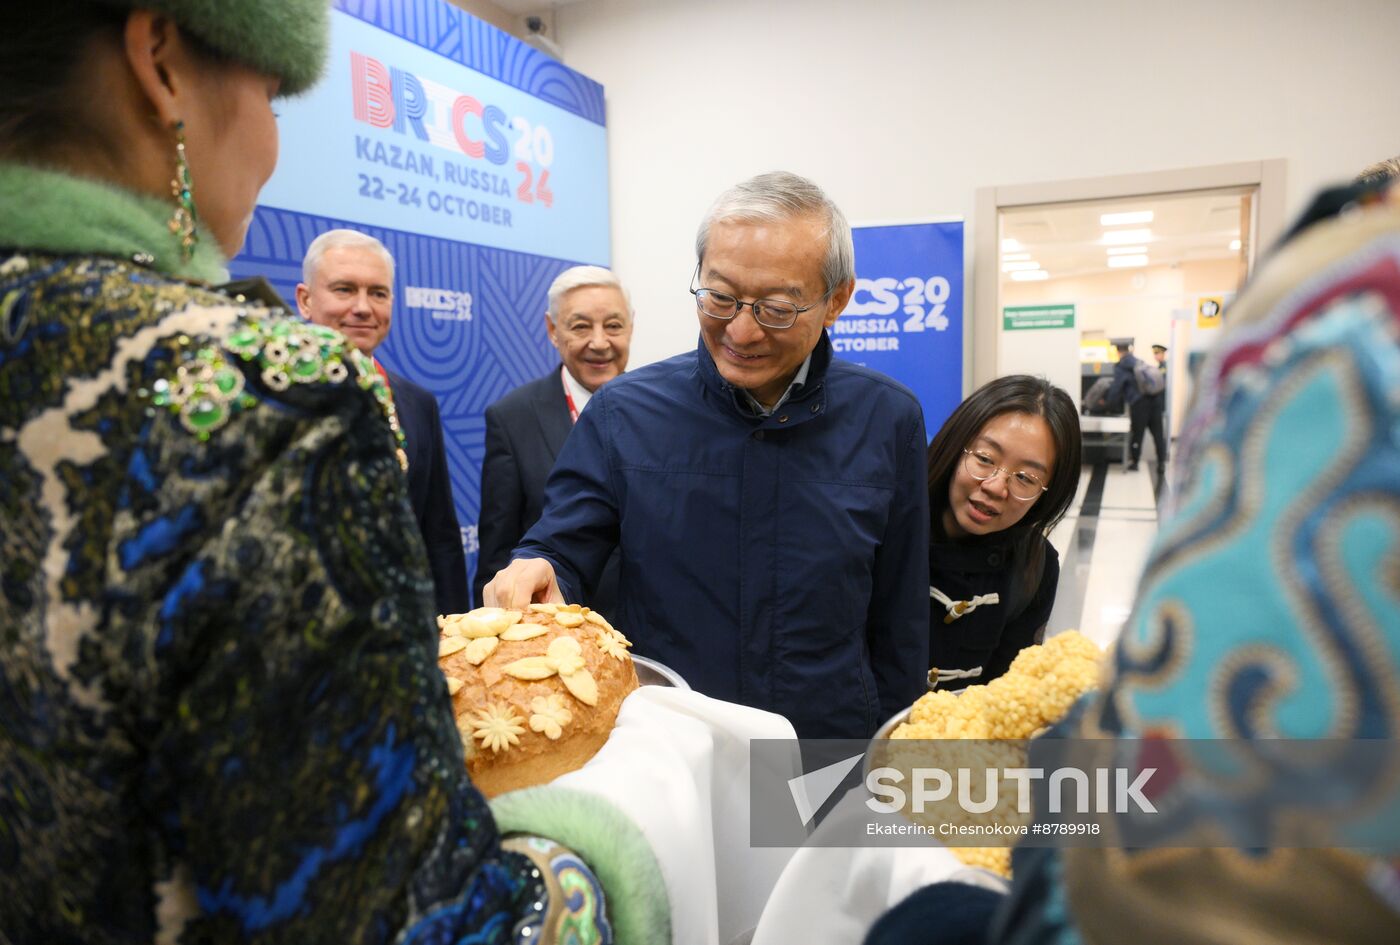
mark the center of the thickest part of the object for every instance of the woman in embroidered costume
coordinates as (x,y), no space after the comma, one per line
(221,718)
(1268,611)
(1257,674)
(1001,472)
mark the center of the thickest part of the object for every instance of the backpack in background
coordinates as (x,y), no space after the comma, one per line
(1097,402)
(1150,378)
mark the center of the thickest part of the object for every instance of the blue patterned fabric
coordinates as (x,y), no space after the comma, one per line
(221,718)
(1269,608)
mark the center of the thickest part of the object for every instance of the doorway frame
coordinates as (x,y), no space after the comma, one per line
(980,361)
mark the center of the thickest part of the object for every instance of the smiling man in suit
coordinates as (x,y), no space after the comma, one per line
(349,286)
(589,321)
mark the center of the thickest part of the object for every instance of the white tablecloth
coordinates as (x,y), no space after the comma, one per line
(835,894)
(678,764)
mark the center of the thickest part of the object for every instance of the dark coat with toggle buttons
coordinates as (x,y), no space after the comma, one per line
(773,561)
(991,634)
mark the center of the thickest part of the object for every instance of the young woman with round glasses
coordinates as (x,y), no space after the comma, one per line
(1001,474)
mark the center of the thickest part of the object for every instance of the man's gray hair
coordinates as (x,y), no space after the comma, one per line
(1380,172)
(334,239)
(582,277)
(777,196)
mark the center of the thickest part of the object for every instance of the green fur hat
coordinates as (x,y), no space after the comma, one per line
(285,38)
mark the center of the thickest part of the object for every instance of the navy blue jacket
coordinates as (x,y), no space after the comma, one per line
(430,491)
(1124,388)
(777,562)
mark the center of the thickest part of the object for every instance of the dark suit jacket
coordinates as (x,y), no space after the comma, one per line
(525,430)
(430,491)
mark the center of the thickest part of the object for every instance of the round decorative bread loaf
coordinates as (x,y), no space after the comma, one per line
(535,692)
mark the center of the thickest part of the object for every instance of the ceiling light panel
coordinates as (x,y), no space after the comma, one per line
(1125,237)
(1122,219)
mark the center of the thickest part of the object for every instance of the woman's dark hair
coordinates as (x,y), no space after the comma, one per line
(1016,393)
(42,46)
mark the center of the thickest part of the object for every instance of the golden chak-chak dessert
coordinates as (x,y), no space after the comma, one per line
(535,692)
(1044,681)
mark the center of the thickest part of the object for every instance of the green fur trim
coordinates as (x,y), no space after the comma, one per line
(48,211)
(611,845)
(285,38)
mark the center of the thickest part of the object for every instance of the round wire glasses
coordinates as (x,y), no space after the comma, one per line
(1020,483)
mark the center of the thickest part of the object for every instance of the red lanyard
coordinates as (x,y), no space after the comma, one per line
(382,373)
(568,397)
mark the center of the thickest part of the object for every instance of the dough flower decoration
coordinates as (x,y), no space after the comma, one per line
(549,715)
(564,657)
(614,644)
(497,727)
(480,631)
(480,623)
(610,639)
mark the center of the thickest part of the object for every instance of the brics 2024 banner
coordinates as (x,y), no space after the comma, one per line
(905,318)
(480,163)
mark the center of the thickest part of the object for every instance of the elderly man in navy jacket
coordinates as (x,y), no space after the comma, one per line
(768,500)
(349,286)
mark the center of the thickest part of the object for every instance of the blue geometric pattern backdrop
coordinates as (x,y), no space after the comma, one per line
(480,163)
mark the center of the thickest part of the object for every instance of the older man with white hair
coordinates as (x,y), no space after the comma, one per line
(349,286)
(589,321)
(768,501)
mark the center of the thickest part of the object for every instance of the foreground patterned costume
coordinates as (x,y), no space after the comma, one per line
(1270,608)
(220,713)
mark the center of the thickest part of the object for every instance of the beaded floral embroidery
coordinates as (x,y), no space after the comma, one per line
(205,393)
(208,391)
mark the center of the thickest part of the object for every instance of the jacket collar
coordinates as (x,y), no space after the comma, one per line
(971,553)
(812,394)
(49,211)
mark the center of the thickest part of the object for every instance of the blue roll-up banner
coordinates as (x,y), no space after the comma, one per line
(480,163)
(906,316)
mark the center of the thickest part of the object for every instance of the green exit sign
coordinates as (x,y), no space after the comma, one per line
(1020,317)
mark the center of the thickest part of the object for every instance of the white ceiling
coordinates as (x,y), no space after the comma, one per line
(1067,238)
(522,7)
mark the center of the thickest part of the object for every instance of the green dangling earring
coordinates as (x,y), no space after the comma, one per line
(182,189)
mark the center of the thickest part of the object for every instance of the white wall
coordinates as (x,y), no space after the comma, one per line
(902,108)
(1050,352)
